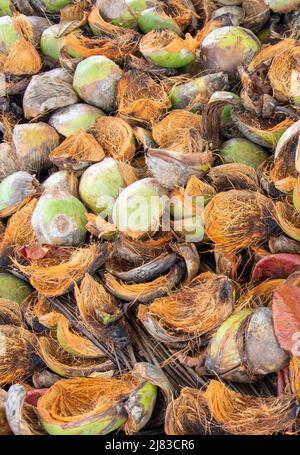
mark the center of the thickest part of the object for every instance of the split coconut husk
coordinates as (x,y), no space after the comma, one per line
(59,279)
(116,137)
(77,152)
(10,313)
(140,98)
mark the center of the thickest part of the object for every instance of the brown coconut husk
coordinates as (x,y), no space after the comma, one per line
(144,292)
(267,53)
(19,231)
(114,48)
(4,426)
(179,131)
(284,66)
(238,219)
(233,176)
(257,13)
(196,187)
(7,124)
(23,59)
(258,296)
(193,311)
(246,415)
(288,219)
(116,137)
(18,359)
(95,304)
(189,415)
(10,313)
(100,228)
(75,12)
(68,401)
(67,365)
(58,279)
(181,12)
(77,149)
(140,98)
(166,39)
(294,376)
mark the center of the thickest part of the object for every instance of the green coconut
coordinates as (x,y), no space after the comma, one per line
(226,48)
(13,288)
(5,8)
(52,6)
(199,89)
(33,143)
(165,48)
(59,219)
(156,19)
(52,42)
(69,120)
(139,208)
(15,188)
(8,34)
(240,150)
(283,6)
(96,81)
(231,98)
(123,12)
(140,406)
(101,184)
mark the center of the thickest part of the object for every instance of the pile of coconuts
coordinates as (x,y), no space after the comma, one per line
(149,216)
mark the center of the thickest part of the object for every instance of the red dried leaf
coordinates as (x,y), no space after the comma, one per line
(286,317)
(33,396)
(276,266)
(36,251)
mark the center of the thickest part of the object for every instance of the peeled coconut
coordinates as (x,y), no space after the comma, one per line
(13,288)
(32,143)
(48,91)
(69,120)
(123,12)
(63,180)
(15,188)
(52,41)
(283,6)
(139,208)
(96,80)
(59,219)
(226,48)
(101,184)
(240,150)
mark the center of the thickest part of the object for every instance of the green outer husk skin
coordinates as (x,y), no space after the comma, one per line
(52,45)
(227,111)
(8,34)
(101,180)
(127,19)
(240,150)
(69,120)
(5,8)
(14,289)
(153,19)
(168,59)
(296,199)
(52,206)
(54,6)
(63,343)
(102,424)
(140,405)
(216,364)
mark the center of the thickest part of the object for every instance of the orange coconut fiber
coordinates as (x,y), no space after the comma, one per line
(258,296)
(116,137)
(58,279)
(71,400)
(140,98)
(75,12)
(284,74)
(195,311)
(180,12)
(288,219)
(238,219)
(268,52)
(17,354)
(114,48)
(179,131)
(19,231)
(78,147)
(247,415)
(23,59)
